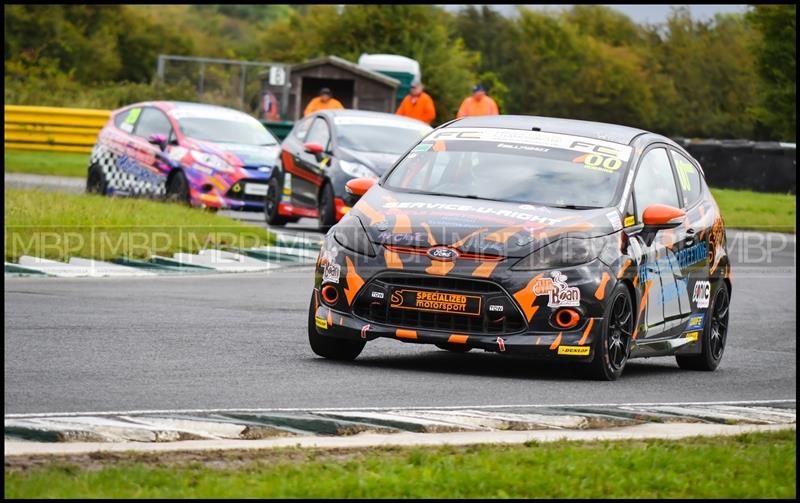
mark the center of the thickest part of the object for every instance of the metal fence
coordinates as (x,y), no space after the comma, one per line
(228,82)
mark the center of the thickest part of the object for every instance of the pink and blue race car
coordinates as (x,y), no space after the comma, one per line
(202,155)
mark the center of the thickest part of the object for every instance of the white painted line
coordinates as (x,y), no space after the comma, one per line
(446,407)
(224,261)
(643,431)
(100,268)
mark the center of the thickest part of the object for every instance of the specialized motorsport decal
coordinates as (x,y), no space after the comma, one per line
(561,294)
(701,294)
(425,300)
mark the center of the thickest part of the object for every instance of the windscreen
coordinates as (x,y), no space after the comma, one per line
(378,135)
(223,127)
(515,166)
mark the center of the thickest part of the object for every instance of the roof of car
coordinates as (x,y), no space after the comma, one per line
(597,130)
(189,104)
(345,112)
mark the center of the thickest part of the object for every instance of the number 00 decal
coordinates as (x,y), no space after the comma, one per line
(609,163)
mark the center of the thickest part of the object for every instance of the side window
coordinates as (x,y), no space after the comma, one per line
(127,119)
(301,129)
(654,182)
(153,121)
(688,178)
(319,133)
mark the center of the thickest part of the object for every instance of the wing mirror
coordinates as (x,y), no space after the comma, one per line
(158,139)
(314,148)
(357,187)
(658,217)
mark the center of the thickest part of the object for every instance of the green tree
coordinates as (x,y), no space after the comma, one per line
(775,53)
(702,76)
(423,33)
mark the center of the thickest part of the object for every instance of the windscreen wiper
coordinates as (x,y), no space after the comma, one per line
(575,207)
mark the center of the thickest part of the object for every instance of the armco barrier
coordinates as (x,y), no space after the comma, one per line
(52,128)
(71,129)
(747,165)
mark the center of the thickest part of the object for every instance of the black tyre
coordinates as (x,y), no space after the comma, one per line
(271,201)
(611,349)
(178,189)
(715,334)
(454,348)
(330,347)
(327,209)
(96,180)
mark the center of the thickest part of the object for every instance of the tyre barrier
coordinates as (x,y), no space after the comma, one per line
(746,165)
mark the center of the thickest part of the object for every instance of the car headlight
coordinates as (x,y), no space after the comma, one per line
(213,161)
(565,252)
(357,170)
(350,234)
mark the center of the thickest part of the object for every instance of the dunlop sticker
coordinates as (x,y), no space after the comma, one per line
(574,350)
(692,336)
(321,323)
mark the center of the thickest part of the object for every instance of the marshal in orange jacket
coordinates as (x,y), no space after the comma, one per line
(420,108)
(318,104)
(473,106)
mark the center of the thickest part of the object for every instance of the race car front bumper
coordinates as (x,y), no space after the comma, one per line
(576,345)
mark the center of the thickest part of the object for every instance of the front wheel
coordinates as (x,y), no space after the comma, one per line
(96,180)
(327,208)
(612,347)
(330,347)
(178,189)
(271,201)
(715,334)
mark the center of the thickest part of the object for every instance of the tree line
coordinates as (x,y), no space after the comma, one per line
(729,77)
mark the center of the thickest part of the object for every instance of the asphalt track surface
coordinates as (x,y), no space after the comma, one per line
(240,341)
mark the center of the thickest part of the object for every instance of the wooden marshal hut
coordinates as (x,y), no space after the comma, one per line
(355,87)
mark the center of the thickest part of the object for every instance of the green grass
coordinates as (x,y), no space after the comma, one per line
(744,209)
(46,163)
(59,226)
(760,465)
(740,208)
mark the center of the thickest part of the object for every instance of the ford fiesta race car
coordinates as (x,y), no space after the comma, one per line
(202,155)
(551,238)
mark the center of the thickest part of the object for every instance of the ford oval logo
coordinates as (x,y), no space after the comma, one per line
(442,253)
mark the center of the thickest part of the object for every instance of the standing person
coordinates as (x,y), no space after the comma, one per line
(478,104)
(322,102)
(269,107)
(417,104)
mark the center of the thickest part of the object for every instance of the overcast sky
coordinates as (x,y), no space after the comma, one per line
(639,13)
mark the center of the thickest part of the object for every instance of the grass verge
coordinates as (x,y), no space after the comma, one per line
(743,209)
(755,465)
(59,226)
(46,163)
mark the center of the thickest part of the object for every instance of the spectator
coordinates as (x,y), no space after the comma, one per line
(478,104)
(322,102)
(269,107)
(418,104)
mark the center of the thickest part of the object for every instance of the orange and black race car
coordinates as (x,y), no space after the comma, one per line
(551,238)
